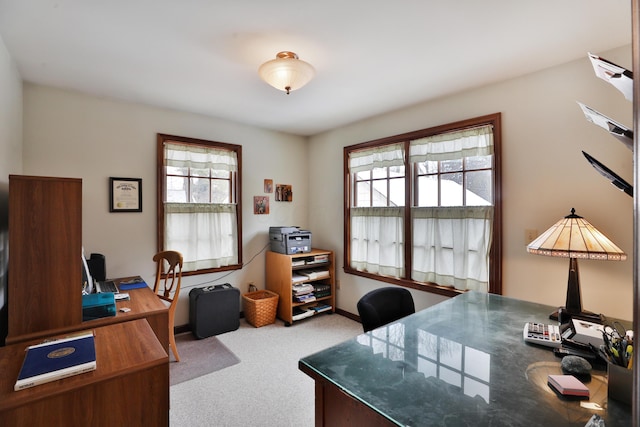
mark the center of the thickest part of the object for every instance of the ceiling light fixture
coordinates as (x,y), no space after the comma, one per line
(286,72)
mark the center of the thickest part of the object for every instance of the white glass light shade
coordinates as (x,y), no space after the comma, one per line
(575,237)
(286,72)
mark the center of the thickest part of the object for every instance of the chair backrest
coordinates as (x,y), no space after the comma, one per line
(168,275)
(384,305)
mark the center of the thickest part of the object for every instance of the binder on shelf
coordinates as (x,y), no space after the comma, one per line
(619,77)
(621,132)
(321,290)
(57,359)
(320,308)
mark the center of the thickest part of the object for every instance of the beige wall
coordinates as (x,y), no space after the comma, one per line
(74,135)
(544,176)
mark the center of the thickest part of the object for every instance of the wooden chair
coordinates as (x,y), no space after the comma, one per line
(384,305)
(167,287)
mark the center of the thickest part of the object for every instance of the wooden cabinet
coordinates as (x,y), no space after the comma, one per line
(315,268)
(130,386)
(45,241)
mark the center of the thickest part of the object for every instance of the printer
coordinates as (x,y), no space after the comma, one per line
(289,240)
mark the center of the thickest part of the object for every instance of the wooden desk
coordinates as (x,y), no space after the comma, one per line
(460,362)
(144,304)
(130,386)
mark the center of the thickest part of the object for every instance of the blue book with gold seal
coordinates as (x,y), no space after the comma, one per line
(54,360)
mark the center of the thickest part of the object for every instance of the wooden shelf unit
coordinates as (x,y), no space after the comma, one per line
(280,270)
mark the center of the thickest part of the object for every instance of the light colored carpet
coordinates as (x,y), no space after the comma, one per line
(265,388)
(198,358)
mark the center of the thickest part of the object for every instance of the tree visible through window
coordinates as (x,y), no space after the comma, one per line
(423,208)
(199,211)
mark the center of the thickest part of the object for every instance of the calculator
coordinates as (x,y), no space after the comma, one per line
(542,334)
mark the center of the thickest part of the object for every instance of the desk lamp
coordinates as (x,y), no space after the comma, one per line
(574,237)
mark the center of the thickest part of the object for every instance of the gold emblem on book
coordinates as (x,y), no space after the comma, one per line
(61,352)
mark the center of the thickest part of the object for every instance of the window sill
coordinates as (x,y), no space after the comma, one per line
(212,270)
(425,287)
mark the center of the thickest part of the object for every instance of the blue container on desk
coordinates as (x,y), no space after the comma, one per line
(95,306)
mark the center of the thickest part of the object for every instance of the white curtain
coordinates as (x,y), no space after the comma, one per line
(205,233)
(376,157)
(200,157)
(377,241)
(451,244)
(453,145)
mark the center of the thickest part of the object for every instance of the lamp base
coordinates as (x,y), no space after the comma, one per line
(573,305)
(589,316)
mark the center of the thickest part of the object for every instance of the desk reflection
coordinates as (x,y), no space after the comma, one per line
(461,366)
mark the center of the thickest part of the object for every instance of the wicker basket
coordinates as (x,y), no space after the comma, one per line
(260,307)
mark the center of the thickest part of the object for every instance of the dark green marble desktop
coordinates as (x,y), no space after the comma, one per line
(462,362)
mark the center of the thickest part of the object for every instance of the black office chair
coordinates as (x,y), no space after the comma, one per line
(384,305)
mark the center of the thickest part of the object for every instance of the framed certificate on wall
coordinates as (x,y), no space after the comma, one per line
(125,194)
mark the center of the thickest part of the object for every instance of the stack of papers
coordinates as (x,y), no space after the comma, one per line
(304,288)
(298,278)
(301,313)
(314,274)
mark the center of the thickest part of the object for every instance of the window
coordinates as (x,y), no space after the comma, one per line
(199,211)
(424,208)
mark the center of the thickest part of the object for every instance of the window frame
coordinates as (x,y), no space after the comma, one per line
(495,255)
(236,191)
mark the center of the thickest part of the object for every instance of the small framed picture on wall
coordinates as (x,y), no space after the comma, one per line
(261,205)
(125,194)
(268,186)
(284,193)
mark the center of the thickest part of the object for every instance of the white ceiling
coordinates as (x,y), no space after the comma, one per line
(370,56)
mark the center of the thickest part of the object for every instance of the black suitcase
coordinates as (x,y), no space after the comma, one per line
(214,310)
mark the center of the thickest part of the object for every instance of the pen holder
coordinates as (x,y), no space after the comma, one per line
(620,383)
